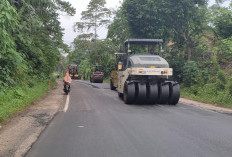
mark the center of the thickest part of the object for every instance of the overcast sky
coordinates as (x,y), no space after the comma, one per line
(67,22)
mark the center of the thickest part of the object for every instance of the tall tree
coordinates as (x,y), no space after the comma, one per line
(94,17)
(31,38)
(87,58)
(180,21)
(119,30)
(221,18)
(11,62)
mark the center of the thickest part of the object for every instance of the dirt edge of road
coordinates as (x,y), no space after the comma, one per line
(206,106)
(18,135)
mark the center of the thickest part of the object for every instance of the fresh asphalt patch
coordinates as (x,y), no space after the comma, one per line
(95,85)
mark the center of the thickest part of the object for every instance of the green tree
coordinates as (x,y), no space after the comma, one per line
(87,58)
(119,30)
(30,39)
(11,62)
(221,21)
(179,21)
(82,50)
(96,16)
(40,37)
(190,71)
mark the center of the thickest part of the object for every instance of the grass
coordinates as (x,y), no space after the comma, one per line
(208,94)
(16,99)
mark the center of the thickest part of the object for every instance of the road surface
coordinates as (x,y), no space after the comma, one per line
(98,124)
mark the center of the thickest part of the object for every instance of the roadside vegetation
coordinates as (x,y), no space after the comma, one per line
(18,98)
(30,49)
(197,41)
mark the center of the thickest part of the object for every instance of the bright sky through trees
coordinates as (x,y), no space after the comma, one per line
(67,22)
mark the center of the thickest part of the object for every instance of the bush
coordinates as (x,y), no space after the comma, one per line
(221,80)
(209,94)
(230,86)
(175,60)
(16,99)
(222,76)
(212,67)
(190,72)
(220,85)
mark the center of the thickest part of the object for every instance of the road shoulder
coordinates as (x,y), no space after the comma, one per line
(206,106)
(23,130)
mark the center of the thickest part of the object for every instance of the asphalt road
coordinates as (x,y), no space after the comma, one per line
(98,124)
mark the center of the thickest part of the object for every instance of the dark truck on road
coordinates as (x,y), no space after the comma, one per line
(97,75)
(73,71)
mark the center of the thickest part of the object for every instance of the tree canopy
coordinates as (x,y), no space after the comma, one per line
(197,40)
(94,17)
(31,39)
(178,21)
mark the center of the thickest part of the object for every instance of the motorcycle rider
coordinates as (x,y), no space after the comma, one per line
(67,79)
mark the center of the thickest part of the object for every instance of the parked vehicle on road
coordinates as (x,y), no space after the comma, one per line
(73,71)
(97,76)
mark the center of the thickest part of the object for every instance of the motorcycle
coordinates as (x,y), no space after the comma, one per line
(66,88)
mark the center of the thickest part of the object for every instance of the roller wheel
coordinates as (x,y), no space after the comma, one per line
(111,85)
(129,93)
(174,94)
(163,93)
(120,95)
(142,93)
(152,93)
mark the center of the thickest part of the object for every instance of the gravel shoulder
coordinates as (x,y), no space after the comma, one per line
(206,106)
(23,130)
